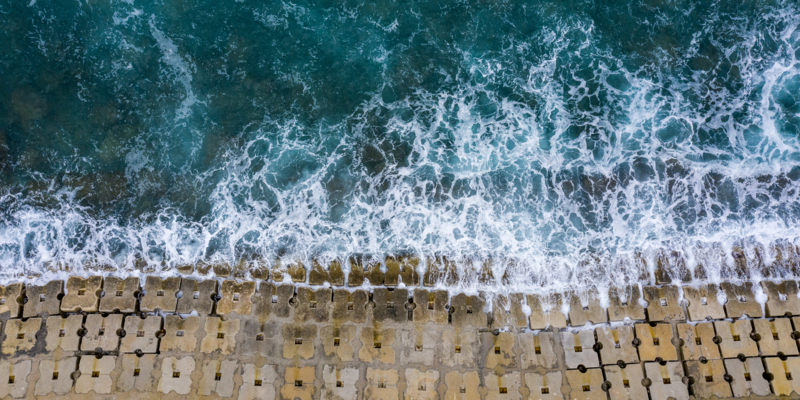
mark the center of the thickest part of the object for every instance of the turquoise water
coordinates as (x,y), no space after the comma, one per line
(571,142)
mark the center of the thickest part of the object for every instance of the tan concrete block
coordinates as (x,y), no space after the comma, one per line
(140,334)
(697,341)
(217,378)
(544,386)
(257,383)
(102,332)
(501,351)
(440,270)
(160,294)
(179,333)
(430,306)
(95,375)
(546,311)
(781,298)
(578,349)
(585,385)
(747,377)
(298,341)
(708,378)
(299,383)
(734,338)
(775,337)
(421,385)
(390,305)
(236,297)
(537,350)
(616,345)
(339,383)
(261,339)
(626,383)
(196,296)
(507,311)
(63,333)
(624,303)
(784,375)
(82,294)
(11,301)
(666,381)
(503,386)
(377,345)
(655,342)
(364,269)
(585,307)
(401,269)
(55,376)
(43,299)
(14,378)
(468,310)
(313,305)
(20,335)
(332,274)
(703,303)
(741,300)
(137,373)
(220,335)
(381,385)
(350,306)
(273,301)
(295,269)
(663,303)
(119,294)
(462,386)
(459,348)
(176,375)
(418,346)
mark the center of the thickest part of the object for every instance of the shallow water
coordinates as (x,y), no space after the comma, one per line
(572,143)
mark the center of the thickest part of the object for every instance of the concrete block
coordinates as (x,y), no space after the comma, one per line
(14,378)
(440,270)
(20,335)
(339,383)
(180,333)
(626,383)
(544,386)
(160,294)
(430,306)
(55,376)
(196,296)
(298,341)
(381,384)
(273,301)
(313,305)
(364,269)
(217,378)
(784,375)
(616,345)
(119,295)
(624,303)
(236,297)
(781,298)
(62,333)
(747,377)
(459,348)
(586,385)
(220,335)
(299,383)
(697,341)
(257,382)
(703,302)
(95,375)
(418,346)
(319,275)
(507,311)
(655,342)
(176,375)
(390,305)
(261,339)
(401,269)
(102,332)
(462,386)
(468,310)
(734,338)
(666,381)
(585,307)
(82,294)
(140,334)
(663,303)
(708,378)
(546,311)
(377,345)
(501,350)
(11,301)
(775,337)
(137,373)
(350,306)
(421,385)
(43,299)
(579,349)
(741,300)
(502,386)
(537,350)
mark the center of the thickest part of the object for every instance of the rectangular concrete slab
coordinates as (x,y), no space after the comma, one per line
(499,349)
(655,342)
(784,375)
(313,305)
(697,341)
(537,350)
(102,332)
(338,342)
(180,334)
(377,345)
(625,302)
(546,311)
(176,375)
(616,345)
(507,311)
(14,378)
(160,294)
(82,294)
(196,296)
(140,334)
(579,349)
(298,341)
(585,308)
(257,382)
(236,297)
(137,373)
(663,303)
(62,333)
(11,300)
(20,335)
(626,383)
(220,335)
(544,386)
(95,375)
(502,386)
(468,310)
(421,385)
(381,384)
(418,345)
(350,306)
(708,378)
(586,385)
(390,305)
(217,378)
(775,337)
(747,377)
(462,386)
(703,302)
(119,295)
(430,306)
(735,338)
(741,300)
(782,298)
(459,348)
(666,381)
(55,376)
(339,383)
(44,299)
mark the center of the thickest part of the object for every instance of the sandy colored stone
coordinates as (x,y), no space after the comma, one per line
(381,384)
(401,269)
(781,298)
(217,378)
(735,338)
(196,296)
(298,383)
(703,303)
(616,345)
(655,342)
(11,301)
(137,373)
(747,377)
(236,297)
(709,378)
(298,341)
(578,349)
(160,294)
(119,294)
(462,386)
(501,351)
(663,303)
(503,386)
(313,305)
(43,299)
(102,332)
(546,311)
(666,381)
(775,337)
(625,303)
(430,306)
(418,345)
(421,385)
(220,335)
(507,311)
(390,305)
(741,300)
(179,333)
(62,333)
(59,373)
(82,294)
(585,307)
(377,345)
(176,375)
(544,386)
(698,341)
(458,348)
(257,383)
(349,306)
(339,383)
(468,310)
(95,375)
(338,341)
(784,375)
(271,301)
(140,334)
(537,350)
(626,383)
(20,335)
(585,385)
(261,338)
(14,378)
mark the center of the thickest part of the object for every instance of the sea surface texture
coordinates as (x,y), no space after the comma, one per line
(562,143)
